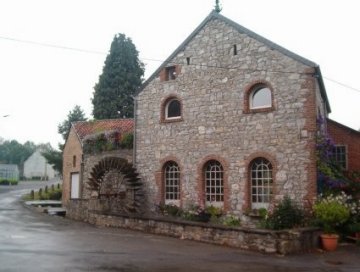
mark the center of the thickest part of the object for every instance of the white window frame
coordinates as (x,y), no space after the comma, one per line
(262,183)
(252,93)
(75,185)
(172,180)
(214,167)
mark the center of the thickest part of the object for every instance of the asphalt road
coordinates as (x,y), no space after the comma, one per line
(30,241)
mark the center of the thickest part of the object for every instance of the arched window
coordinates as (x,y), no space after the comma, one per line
(173,109)
(261,183)
(260,97)
(214,182)
(171,182)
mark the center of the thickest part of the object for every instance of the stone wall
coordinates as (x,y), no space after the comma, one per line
(281,242)
(216,123)
(78,208)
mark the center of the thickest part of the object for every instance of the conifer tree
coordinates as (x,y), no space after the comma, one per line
(121,77)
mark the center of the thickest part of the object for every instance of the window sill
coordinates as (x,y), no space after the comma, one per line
(259,110)
(172,120)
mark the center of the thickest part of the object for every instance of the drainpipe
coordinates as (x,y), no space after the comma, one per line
(134,133)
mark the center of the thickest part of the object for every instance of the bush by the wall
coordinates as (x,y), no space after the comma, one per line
(286,215)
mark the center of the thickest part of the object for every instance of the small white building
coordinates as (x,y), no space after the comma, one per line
(9,172)
(37,167)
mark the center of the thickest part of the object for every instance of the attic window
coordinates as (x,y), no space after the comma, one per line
(170,73)
(235,49)
(188,60)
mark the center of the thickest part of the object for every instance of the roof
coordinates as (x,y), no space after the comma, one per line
(343,126)
(86,128)
(10,167)
(215,15)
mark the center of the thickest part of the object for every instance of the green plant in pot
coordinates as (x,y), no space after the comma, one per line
(331,212)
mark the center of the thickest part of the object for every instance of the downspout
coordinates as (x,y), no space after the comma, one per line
(134,133)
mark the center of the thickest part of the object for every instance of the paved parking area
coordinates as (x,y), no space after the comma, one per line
(30,241)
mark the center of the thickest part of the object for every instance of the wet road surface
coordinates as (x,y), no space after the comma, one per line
(30,241)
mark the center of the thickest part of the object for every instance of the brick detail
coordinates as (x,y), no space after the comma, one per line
(72,148)
(248,91)
(201,179)
(248,161)
(343,135)
(159,179)
(310,111)
(163,109)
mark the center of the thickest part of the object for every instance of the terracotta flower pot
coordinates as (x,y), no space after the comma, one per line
(329,241)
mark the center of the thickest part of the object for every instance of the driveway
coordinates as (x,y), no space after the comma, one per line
(31,241)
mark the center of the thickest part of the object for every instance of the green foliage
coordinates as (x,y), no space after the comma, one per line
(286,215)
(107,141)
(43,194)
(9,182)
(127,141)
(120,78)
(77,114)
(231,221)
(331,212)
(54,158)
(12,152)
(170,209)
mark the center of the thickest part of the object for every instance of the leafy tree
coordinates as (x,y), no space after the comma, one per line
(54,158)
(77,114)
(121,76)
(12,152)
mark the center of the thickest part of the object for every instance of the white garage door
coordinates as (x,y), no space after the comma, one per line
(75,186)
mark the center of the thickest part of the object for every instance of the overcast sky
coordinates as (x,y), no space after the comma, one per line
(40,84)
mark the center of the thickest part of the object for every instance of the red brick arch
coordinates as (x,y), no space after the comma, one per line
(159,178)
(248,160)
(201,179)
(248,90)
(164,102)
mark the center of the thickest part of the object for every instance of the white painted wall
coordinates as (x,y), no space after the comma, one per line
(36,166)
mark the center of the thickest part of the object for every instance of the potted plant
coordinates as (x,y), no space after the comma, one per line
(331,212)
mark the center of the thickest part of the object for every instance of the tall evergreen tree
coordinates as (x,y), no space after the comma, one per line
(77,114)
(121,76)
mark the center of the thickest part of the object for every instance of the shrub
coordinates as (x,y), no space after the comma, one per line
(286,215)
(231,221)
(331,212)
(170,209)
(127,141)
(55,195)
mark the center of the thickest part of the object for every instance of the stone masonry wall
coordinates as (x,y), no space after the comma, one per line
(78,208)
(267,241)
(216,124)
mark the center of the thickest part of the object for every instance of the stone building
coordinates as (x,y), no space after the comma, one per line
(36,167)
(347,145)
(84,148)
(229,120)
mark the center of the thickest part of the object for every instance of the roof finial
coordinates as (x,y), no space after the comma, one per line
(217,7)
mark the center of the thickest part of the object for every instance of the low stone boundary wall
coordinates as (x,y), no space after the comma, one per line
(267,241)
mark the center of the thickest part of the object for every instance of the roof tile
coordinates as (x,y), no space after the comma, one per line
(86,128)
